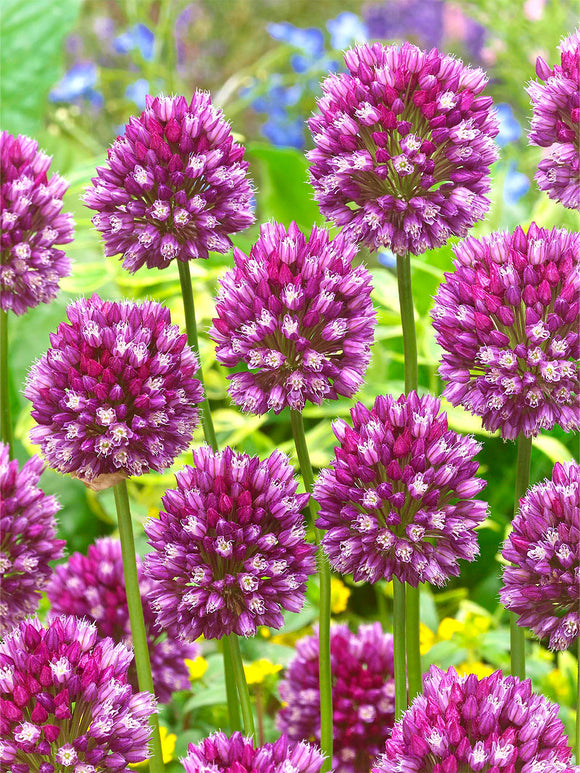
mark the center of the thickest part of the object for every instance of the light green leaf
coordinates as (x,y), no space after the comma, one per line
(554,449)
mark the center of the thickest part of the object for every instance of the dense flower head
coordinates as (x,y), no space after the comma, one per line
(508,321)
(229,550)
(556,123)
(175,185)
(397,499)
(543,585)
(490,725)
(27,538)
(220,754)
(299,316)
(93,587)
(403,145)
(115,395)
(66,702)
(363,694)
(31,226)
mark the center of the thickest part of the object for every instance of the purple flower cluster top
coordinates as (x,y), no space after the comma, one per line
(543,585)
(299,316)
(397,500)
(508,321)
(556,123)
(229,550)
(403,146)
(27,538)
(363,694)
(115,396)
(174,187)
(31,226)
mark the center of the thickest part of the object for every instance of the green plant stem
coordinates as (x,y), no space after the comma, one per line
(517,632)
(243,692)
(138,633)
(399,647)
(192,340)
(5,418)
(231,690)
(326,732)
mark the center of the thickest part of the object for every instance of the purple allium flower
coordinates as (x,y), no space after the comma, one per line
(66,703)
(363,694)
(508,319)
(115,395)
(31,225)
(543,587)
(556,123)
(93,586)
(27,538)
(175,185)
(404,141)
(229,552)
(299,315)
(397,501)
(220,754)
(494,724)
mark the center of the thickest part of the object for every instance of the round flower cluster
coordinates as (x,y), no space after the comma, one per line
(66,704)
(27,538)
(543,587)
(220,754)
(31,225)
(174,187)
(229,552)
(403,145)
(556,123)
(397,501)
(93,587)
(299,316)
(115,395)
(363,694)
(464,724)
(508,319)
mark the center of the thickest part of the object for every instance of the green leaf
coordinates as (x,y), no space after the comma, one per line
(553,448)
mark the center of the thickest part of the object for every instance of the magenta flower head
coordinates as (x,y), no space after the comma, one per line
(494,724)
(363,694)
(220,754)
(398,498)
(115,396)
(93,587)
(175,185)
(403,145)
(66,703)
(556,123)
(27,538)
(31,225)
(298,315)
(229,550)
(543,586)
(508,321)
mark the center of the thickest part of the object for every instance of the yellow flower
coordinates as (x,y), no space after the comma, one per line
(264,631)
(339,595)
(257,671)
(167,747)
(426,638)
(478,668)
(448,627)
(560,685)
(478,622)
(197,668)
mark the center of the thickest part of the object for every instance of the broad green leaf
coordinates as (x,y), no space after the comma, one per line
(553,448)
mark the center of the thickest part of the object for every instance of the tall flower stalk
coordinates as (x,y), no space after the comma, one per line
(5,417)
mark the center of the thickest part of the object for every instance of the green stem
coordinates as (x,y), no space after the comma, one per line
(399,646)
(243,692)
(324,665)
(231,692)
(518,635)
(138,632)
(192,340)
(5,419)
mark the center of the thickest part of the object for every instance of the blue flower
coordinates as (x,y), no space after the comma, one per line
(515,185)
(387,258)
(509,128)
(347,28)
(284,133)
(77,82)
(137,92)
(139,36)
(310,40)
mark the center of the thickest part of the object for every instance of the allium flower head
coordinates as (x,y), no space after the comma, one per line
(397,500)
(27,538)
(492,725)
(31,225)
(115,395)
(174,187)
(220,754)
(403,145)
(66,703)
(556,123)
(93,587)
(363,694)
(299,316)
(508,321)
(543,587)
(229,550)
